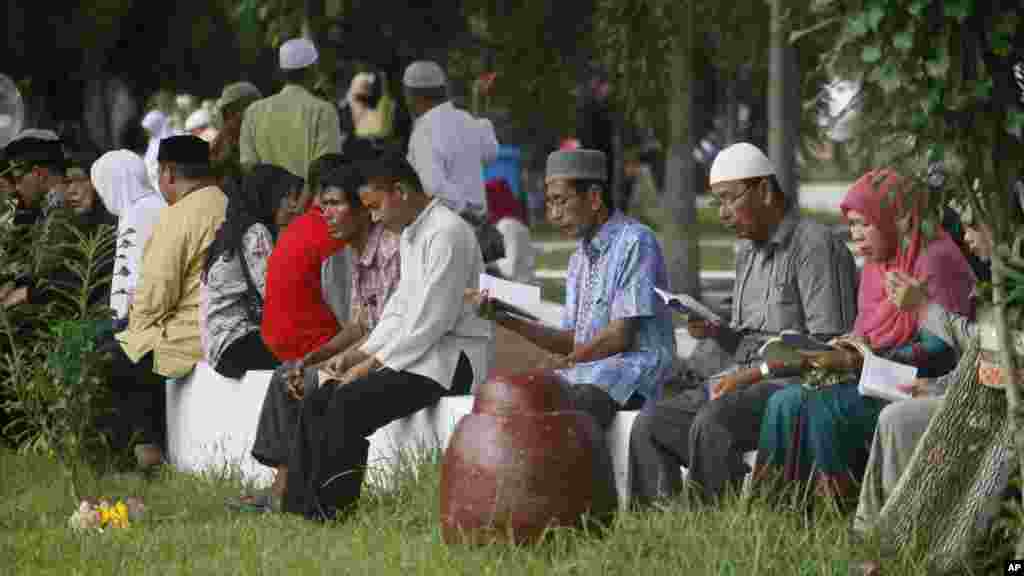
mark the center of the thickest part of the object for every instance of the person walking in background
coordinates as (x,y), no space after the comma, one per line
(508,215)
(234,100)
(291,128)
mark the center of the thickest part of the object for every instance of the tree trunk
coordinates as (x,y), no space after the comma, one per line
(1015,409)
(680,236)
(732,119)
(783,86)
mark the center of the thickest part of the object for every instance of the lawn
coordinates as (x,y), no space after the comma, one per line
(187,530)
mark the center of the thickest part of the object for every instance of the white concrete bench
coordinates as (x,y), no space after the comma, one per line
(211,423)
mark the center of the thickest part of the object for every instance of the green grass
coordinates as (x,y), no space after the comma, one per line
(188,531)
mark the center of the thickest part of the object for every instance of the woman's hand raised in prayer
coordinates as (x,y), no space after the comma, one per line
(906,292)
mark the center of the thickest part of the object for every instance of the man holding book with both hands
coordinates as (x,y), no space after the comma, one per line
(792,274)
(615,345)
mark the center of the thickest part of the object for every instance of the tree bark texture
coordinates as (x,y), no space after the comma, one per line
(680,235)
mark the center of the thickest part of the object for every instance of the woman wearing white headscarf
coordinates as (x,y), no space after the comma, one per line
(121,181)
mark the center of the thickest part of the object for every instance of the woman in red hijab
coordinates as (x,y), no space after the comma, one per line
(507,214)
(828,430)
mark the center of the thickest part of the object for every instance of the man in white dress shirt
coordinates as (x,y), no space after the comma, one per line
(448,147)
(427,344)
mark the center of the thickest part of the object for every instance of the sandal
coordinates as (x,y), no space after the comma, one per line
(260,502)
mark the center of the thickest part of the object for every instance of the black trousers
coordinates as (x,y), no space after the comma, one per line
(328,462)
(247,353)
(279,415)
(596,402)
(139,401)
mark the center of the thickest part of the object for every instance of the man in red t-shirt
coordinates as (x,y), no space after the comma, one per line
(296,317)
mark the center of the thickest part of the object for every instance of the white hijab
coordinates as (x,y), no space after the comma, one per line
(122,184)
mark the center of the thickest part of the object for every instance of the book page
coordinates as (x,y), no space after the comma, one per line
(688,305)
(525,296)
(880,377)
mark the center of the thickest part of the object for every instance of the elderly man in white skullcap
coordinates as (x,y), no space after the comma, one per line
(448,147)
(293,127)
(792,274)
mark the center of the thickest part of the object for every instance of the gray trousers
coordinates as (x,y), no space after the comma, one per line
(275,432)
(708,437)
(900,426)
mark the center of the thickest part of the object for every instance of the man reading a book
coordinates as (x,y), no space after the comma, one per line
(615,345)
(792,273)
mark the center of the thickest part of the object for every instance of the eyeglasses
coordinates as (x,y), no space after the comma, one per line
(717,201)
(559,196)
(559,203)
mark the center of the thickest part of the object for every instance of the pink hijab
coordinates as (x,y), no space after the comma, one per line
(889,202)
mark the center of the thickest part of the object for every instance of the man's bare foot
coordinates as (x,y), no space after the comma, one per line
(280,485)
(148,456)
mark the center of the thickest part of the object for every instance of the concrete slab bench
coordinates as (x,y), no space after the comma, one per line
(211,423)
(211,420)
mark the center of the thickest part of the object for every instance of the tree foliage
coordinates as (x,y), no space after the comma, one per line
(938,86)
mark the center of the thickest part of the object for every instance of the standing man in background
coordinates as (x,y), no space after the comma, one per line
(293,127)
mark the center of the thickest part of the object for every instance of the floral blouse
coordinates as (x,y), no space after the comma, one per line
(225,301)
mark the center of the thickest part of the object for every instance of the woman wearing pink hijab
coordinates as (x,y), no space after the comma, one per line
(828,431)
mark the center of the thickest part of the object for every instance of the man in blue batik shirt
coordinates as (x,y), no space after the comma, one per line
(615,345)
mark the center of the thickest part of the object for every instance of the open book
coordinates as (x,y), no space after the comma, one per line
(787,346)
(688,306)
(879,377)
(513,298)
(882,378)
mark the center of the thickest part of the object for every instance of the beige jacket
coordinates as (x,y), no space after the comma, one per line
(164,315)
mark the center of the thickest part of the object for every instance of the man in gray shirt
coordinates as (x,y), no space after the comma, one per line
(792,273)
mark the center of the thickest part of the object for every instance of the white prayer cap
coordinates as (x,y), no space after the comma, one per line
(424,74)
(154,120)
(198,119)
(36,134)
(297,53)
(739,162)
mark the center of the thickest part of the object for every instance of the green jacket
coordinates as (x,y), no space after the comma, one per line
(289,129)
